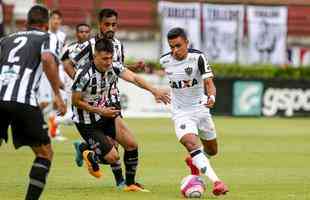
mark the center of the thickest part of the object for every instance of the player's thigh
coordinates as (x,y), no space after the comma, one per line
(124,136)
(28,127)
(95,138)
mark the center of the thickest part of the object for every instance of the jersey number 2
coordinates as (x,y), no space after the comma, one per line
(21,41)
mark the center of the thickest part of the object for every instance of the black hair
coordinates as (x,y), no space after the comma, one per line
(37,15)
(81,24)
(176,32)
(56,12)
(104,45)
(106,12)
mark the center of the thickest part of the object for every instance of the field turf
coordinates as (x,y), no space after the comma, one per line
(259,159)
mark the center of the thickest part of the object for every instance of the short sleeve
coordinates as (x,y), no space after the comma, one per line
(204,68)
(50,45)
(118,68)
(81,81)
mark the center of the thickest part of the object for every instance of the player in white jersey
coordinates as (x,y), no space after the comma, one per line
(192,95)
(45,89)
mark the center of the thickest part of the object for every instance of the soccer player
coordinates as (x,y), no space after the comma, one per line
(107,21)
(24,55)
(82,36)
(45,89)
(192,95)
(97,115)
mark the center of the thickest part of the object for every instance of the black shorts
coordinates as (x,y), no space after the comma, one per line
(27,124)
(98,135)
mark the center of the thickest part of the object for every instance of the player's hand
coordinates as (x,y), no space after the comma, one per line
(60,105)
(139,65)
(162,96)
(210,102)
(109,112)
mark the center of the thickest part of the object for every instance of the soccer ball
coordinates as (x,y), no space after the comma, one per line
(192,186)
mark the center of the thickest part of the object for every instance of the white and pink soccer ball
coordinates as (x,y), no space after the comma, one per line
(192,186)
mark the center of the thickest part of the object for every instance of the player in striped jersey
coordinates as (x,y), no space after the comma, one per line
(107,19)
(24,57)
(193,94)
(98,117)
(82,35)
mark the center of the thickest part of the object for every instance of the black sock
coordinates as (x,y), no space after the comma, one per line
(131,163)
(37,175)
(117,172)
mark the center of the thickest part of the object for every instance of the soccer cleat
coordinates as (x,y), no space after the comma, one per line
(78,154)
(219,188)
(135,188)
(121,185)
(92,166)
(52,125)
(192,167)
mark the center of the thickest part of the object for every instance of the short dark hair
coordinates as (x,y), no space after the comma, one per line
(176,32)
(106,12)
(37,15)
(104,45)
(56,12)
(81,24)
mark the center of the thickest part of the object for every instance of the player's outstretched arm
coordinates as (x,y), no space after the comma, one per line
(159,94)
(51,70)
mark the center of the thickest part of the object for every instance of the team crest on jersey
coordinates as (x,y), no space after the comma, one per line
(188,70)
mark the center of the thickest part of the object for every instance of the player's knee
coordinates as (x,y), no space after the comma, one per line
(112,156)
(211,151)
(46,153)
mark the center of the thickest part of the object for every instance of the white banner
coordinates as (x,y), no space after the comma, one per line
(223,31)
(137,102)
(267,34)
(184,15)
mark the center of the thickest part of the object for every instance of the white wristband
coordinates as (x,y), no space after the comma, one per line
(212,97)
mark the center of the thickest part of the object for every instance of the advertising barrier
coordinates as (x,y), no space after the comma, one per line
(235,97)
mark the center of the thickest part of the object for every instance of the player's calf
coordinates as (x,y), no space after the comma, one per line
(38,175)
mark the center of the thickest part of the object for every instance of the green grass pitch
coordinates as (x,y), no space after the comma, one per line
(259,159)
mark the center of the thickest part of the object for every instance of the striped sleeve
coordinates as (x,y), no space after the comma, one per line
(81,80)
(204,68)
(118,68)
(86,52)
(50,45)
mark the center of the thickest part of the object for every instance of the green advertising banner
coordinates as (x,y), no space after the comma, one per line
(247,98)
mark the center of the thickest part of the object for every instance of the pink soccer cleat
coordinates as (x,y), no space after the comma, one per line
(219,188)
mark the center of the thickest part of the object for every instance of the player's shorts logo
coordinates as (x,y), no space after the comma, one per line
(183,126)
(188,70)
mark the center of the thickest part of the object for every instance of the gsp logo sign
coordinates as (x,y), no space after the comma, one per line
(247,96)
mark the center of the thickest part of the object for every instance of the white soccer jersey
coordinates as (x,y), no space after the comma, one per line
(186,80)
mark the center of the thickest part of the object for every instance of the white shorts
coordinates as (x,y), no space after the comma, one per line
(45,90)
(199,123)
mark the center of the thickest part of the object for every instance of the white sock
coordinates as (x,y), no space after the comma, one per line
(204,152)
(203,164)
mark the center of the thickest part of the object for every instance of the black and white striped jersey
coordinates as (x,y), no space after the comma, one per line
(20,64)
(97,88)
(72,50)
(87,53)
